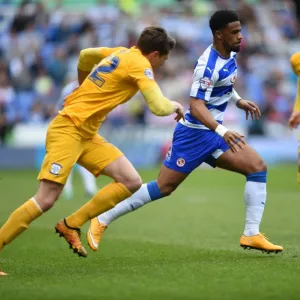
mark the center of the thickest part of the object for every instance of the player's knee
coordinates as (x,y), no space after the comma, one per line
(133,183)
(46,201)
(257,166)
(47,194)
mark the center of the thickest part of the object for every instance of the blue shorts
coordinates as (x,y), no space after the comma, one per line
(191,147)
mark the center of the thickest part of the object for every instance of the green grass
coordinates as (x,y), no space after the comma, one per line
(184,247)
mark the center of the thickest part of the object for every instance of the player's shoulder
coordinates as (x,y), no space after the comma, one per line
(208,61)
(117,51)
(137,62)
(206,64)
(204,58)
(120,49)
(136,56)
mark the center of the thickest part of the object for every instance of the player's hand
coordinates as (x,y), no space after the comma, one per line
(234,140)
(294,120)
(179,110)
(250,108)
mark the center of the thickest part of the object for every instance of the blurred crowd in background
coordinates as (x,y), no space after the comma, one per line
(40,43)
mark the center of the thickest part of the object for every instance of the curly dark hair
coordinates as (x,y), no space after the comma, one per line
(221,18)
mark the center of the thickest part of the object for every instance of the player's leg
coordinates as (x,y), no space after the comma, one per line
(20,219)
(249,163)
(57,164)
(167,181)
(89,181)
(187,153)
(98,157)
(68,188)
(126,182)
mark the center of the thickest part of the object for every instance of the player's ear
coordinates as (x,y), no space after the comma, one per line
(156,54)
(218,34)
(153,54)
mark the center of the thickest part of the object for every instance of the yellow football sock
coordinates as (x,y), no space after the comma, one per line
(104,200)
(19,221)
(298,178)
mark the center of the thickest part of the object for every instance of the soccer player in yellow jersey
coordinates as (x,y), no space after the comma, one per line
(294,120)
(72,135)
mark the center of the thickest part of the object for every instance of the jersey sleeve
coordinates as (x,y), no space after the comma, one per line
(90,57)
(143,77)
(203,82)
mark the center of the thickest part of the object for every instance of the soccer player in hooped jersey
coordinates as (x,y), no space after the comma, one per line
(201,137)
(294,120)
(72,135)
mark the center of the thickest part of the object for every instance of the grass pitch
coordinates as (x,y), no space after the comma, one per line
(183,247)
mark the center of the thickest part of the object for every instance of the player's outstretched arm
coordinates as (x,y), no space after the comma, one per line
(160,105)
(199,110)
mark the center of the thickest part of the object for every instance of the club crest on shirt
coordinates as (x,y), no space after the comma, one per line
(55,169)
(180,162)
(205,83)
(149,73)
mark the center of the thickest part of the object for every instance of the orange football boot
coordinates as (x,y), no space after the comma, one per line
(94,234)
(72,236)
(259,242)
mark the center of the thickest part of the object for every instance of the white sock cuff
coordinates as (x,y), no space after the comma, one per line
(37,205)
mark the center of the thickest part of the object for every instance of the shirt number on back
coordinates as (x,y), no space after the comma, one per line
(107,66)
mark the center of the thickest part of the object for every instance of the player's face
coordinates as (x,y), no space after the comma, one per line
(157,60)
(232,36)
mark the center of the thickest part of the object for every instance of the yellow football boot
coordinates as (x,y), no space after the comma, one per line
(259,242)
(94,234)
(72,236)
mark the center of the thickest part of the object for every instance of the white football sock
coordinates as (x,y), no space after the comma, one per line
(137,200)
(255,199)
(89,181)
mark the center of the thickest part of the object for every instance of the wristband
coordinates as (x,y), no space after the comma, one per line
(221,130)
(235,97)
